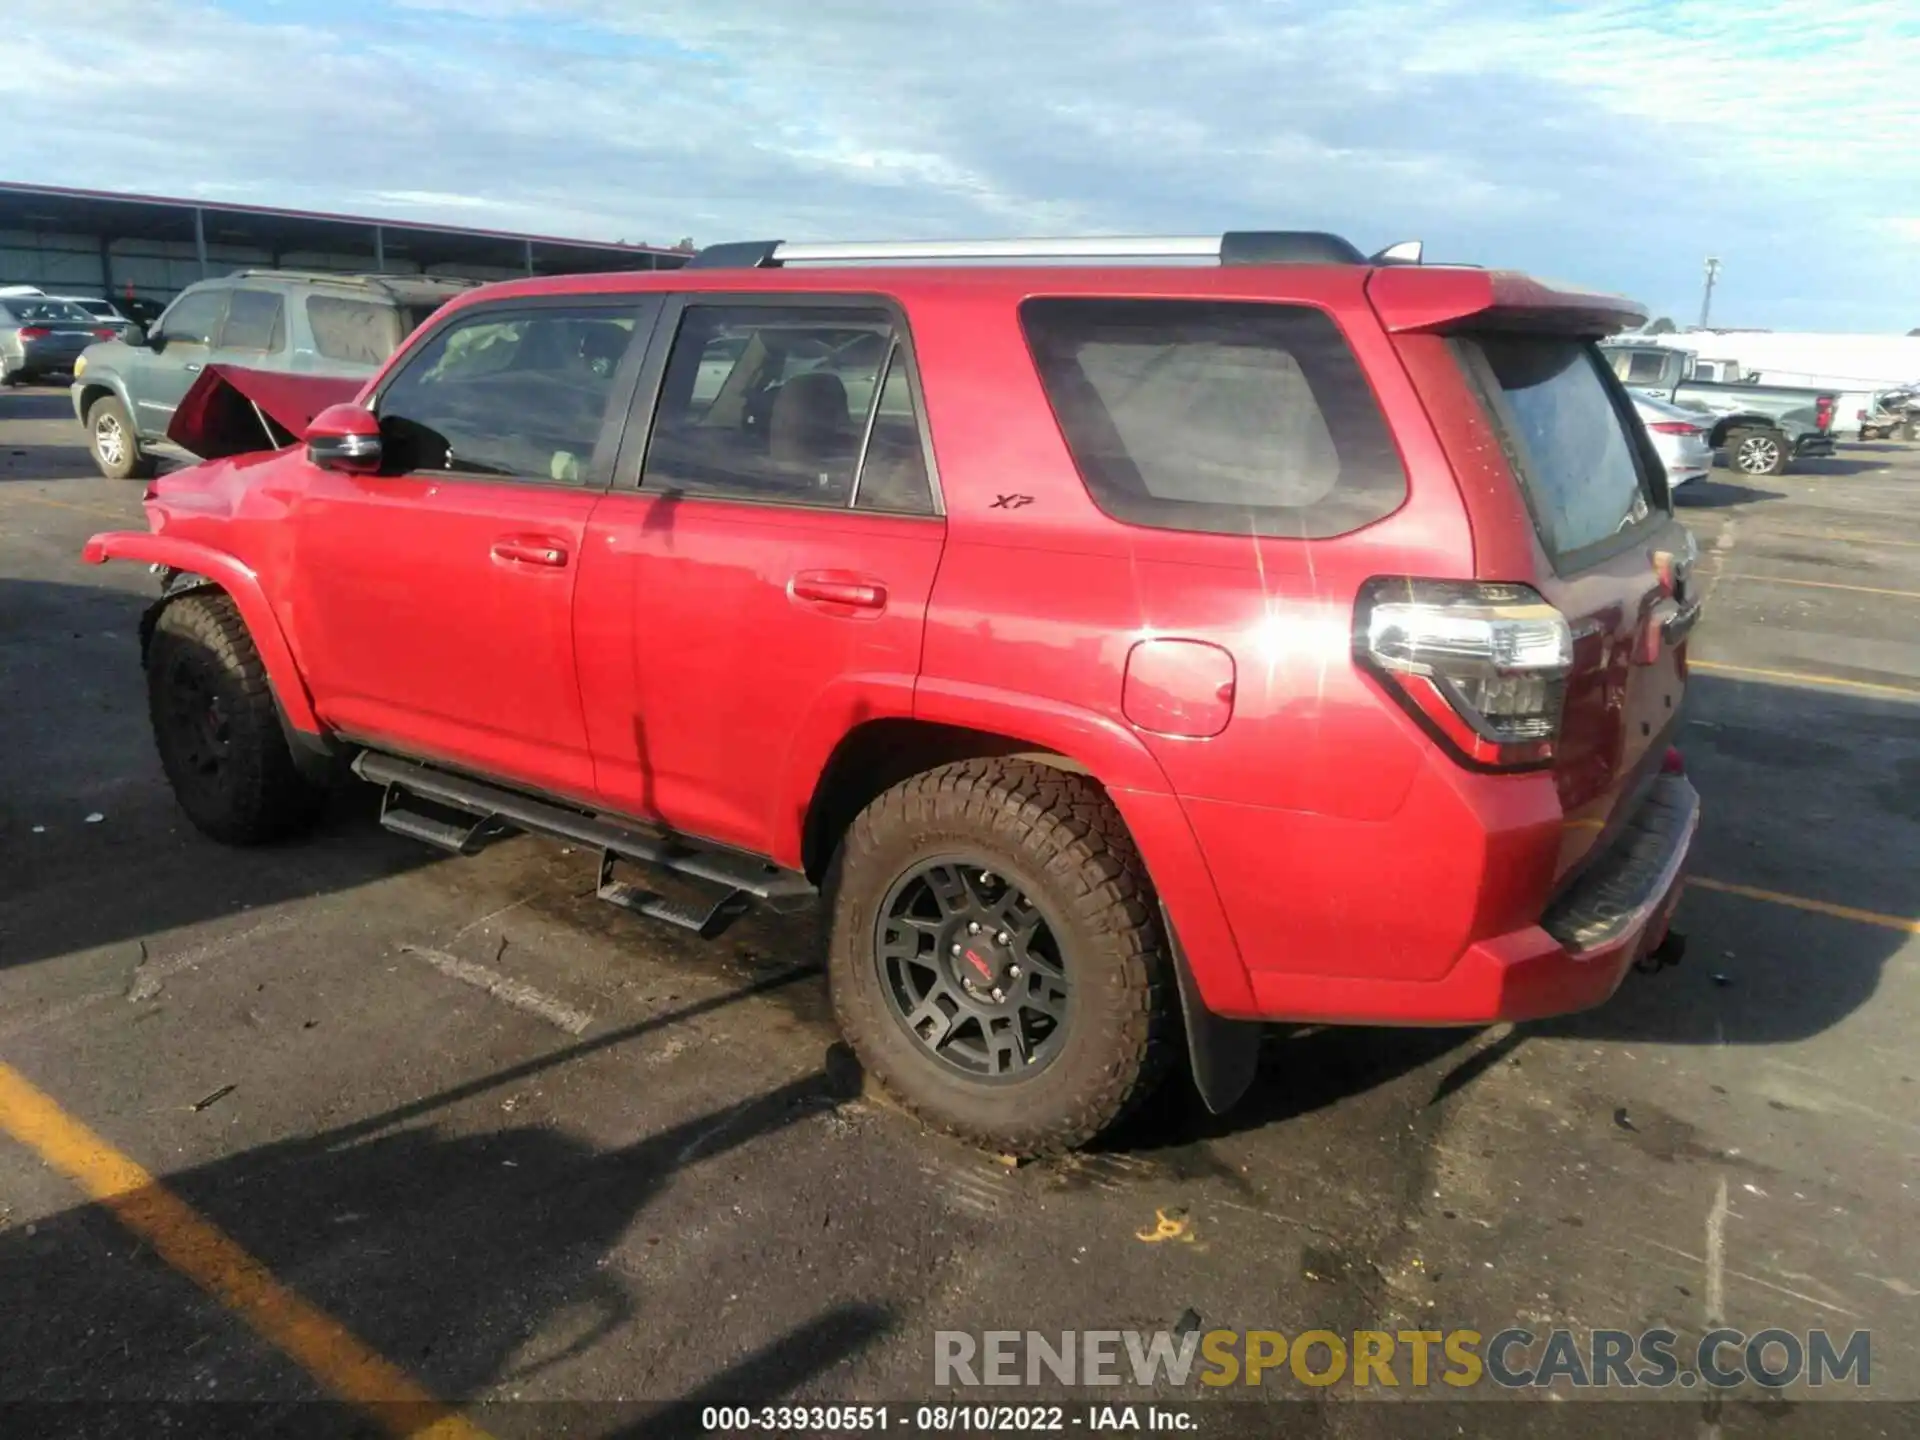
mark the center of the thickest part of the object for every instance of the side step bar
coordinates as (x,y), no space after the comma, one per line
(490,809)
(706,914)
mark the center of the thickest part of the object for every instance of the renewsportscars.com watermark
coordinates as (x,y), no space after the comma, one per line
(1512,1359)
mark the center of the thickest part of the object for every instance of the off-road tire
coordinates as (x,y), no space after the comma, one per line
(133,462)
(1781,452)
(254,793)
(1060,839)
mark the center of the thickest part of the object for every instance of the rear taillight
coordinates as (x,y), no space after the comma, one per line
(34,332)
(103,333)
(1674,427)
(1482,667)
(1823,413)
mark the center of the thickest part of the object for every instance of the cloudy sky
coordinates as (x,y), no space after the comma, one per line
(1612,142)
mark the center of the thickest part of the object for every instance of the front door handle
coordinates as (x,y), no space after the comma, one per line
(546,551)
(839,588)
(191,369)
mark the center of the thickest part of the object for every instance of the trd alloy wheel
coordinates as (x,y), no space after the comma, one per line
(970,967)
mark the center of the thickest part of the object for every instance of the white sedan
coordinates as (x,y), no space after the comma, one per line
(1679,435)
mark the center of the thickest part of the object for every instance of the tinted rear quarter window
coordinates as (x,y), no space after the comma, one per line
(1221,417)
(356,332)
(1566,437)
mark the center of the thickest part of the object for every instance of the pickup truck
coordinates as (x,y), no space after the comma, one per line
(1762,428)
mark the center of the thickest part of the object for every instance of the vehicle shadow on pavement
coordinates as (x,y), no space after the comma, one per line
(48,402)
(75,743)
(1804,793)
(472,1259)
(1839,465)
(1303,1069)
(43,462)
(1712,494)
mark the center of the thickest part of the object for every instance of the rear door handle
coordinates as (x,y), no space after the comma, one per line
(839,588)
(191,369)
(546,551)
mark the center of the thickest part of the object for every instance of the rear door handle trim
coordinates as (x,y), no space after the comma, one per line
(838,588)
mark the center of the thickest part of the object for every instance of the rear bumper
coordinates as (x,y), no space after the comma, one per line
(1813,445)
(41,359)
(1574,958)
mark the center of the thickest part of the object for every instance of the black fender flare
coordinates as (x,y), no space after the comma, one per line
(316,756)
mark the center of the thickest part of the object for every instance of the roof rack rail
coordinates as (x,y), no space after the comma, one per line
(1235,247)
(348,277)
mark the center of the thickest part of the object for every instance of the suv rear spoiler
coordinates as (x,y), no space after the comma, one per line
(231,410)
(1435,299)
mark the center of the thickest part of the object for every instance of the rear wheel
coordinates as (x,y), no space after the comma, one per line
(217,727)
(997,960)
(114,442)
(1758,452)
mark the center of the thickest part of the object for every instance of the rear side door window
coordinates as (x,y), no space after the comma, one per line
(1224,417)
(796,404)
(520,393)
(256,323)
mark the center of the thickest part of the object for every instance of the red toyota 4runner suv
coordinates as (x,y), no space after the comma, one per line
(1125,651)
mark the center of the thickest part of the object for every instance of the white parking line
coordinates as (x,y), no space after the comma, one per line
(503,987)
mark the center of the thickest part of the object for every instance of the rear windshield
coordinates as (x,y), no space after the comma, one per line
(1568,441)
(48,312)
(1224,417)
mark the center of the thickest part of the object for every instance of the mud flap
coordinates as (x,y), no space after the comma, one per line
(1223,1053)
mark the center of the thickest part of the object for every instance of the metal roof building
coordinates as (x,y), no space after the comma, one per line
(93,242)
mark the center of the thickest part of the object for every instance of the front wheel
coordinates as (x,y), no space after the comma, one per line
(996,957)
(1758,452)
(115,443)
(217,727)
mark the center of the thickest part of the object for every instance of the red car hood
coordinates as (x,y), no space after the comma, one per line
(232,410)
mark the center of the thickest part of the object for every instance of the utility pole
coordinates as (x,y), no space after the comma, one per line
(1706,300)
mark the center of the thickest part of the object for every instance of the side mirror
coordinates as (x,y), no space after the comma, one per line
(345,438)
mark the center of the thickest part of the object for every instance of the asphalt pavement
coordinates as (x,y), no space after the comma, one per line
(545,1161)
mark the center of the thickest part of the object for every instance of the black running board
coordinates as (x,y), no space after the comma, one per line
(725,878)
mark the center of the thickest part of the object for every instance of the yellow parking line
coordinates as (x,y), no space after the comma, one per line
(1798,677)
(1824,585)
(99,510)
(1801,902)
(210,1258)
(1828,535)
